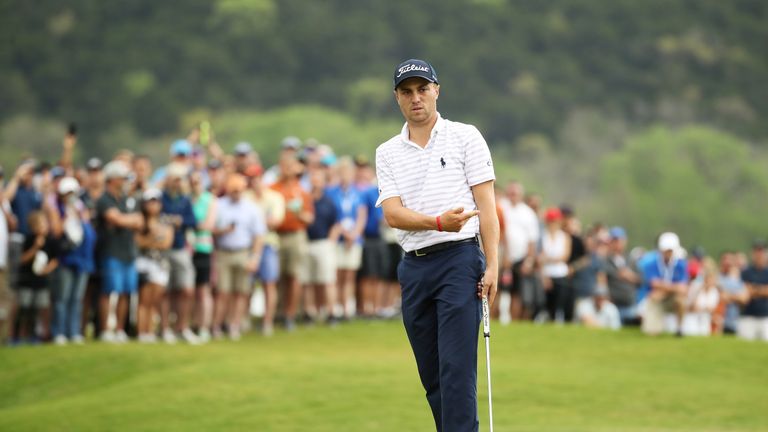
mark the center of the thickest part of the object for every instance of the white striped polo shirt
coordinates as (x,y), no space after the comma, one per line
(436,178)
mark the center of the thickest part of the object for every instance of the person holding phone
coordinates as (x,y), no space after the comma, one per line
(239,238)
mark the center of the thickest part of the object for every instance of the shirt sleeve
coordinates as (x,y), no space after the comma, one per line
(478,164)
(385,177)
(259,225)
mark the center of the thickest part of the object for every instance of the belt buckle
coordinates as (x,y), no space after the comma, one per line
(419,254)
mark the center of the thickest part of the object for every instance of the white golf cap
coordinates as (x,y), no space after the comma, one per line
(669,241)
(116,169)
(68,185)
(151,194)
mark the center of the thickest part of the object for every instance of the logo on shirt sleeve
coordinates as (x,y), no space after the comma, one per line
(442,162)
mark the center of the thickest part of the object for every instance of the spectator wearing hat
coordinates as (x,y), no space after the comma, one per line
(204,207)
(117,219)
(181,152)
(239,234)
(244,156)
(353,215)
(289,148)
(292,232)
(555,250)
(733,293)
(153,240)
(272,205)
(599,312)
(77,239)
(753,324)
(177,210)
(92,187)
(621,279)
(665,283)
(217,176)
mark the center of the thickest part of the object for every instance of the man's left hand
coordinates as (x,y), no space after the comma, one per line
(487,285)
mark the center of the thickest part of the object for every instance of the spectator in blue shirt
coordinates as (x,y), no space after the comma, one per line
(349,251)
(665,285)
(23,195)
(177,210)
(753,324)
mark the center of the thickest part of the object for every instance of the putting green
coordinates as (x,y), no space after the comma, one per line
(361,377)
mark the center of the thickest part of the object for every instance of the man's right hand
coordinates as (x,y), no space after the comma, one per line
(453,220)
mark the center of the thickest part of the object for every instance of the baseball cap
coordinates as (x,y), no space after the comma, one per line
(553,214)
(94,164)
(759,244)
(116,169)
(567,210)
(291,142)
(214,164)
(254,170)
(362,160)
(152,194)
(617,233)
(181,147)
(414,68)
(68,185)
(243,148)
(58,172)
(669,241)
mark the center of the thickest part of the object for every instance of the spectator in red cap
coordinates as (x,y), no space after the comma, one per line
(555,251)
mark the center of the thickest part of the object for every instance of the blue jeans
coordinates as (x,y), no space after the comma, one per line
(441,313)
(68,291)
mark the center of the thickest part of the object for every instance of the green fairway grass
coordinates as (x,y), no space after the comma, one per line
(362,377)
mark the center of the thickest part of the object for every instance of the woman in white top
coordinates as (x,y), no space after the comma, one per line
(703,298)
(555,250)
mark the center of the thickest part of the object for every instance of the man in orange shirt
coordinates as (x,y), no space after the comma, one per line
(299,212)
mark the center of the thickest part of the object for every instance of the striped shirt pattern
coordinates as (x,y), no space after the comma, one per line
(434,179)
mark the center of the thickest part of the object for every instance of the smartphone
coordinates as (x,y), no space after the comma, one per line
(72,129)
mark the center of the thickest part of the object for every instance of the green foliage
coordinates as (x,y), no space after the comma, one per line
(708,186)
(265,130)
(512,68)
(362,377)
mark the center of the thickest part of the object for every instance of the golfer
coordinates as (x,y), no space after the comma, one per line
(436,188)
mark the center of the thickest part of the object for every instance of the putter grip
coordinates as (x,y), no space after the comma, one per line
(486,318)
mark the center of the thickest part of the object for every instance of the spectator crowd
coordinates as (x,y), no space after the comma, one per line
(193,249)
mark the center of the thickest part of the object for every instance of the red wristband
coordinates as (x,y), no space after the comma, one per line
(439,226)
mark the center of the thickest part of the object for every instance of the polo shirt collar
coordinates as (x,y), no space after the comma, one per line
(436,130)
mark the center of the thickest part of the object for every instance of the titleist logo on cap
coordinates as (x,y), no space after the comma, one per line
(410,68)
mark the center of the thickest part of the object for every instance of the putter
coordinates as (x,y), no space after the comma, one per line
(487,336)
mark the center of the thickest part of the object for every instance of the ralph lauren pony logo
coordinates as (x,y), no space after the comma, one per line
(442,162)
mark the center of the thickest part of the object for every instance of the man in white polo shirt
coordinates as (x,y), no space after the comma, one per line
(436,188)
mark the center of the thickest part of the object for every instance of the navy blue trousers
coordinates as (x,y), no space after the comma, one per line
(442,313)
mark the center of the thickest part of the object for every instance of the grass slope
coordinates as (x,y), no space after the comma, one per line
(362,377)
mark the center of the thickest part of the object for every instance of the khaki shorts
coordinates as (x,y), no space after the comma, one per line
(293,253)
(655,314)
(320,267)
(182,274)
(6,297)
(231,273)
(349,259)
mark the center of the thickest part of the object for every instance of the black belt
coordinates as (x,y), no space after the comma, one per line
(439,247)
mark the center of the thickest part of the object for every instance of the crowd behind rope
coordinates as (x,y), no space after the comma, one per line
(197,248)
